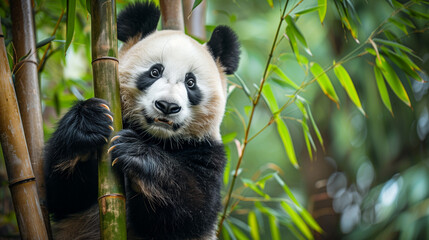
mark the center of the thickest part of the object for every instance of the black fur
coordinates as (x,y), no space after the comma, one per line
(70,165)
(194,94)
(224,46)
(181,179)
(182,183)
(145,80)
(138,18)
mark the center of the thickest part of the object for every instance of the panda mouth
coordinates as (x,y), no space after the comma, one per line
(163,121)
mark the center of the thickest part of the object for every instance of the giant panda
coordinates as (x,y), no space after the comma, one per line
(173,94)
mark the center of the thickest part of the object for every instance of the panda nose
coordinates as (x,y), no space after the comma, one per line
(167,107)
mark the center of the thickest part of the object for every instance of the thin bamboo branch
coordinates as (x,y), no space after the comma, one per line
(246,135)
(104,45)
(28,93)
(172,15)
(42,61)
(195,20)
(22,182)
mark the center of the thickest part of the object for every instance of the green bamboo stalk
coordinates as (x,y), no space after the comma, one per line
(106,86)
(195,20)
(172,15)
(28,93)
(18,166)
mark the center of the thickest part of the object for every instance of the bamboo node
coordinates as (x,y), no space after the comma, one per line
(18,182)
(112,195)
(105,58)
(1,36)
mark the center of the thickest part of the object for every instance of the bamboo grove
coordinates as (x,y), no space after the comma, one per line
(250,210)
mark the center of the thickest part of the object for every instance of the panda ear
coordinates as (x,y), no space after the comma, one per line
(140,18)
(224,46)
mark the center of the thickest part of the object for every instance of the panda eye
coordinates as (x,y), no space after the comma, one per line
(156,71)
(190,82)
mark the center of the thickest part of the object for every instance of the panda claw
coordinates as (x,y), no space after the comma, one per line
(105,139)
(105,106)
(111,148)
(109,116)
(114,161)
(114,138)
(111,128)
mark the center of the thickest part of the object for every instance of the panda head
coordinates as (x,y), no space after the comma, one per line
(173,87)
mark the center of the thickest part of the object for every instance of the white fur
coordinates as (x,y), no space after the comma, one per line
(179,54)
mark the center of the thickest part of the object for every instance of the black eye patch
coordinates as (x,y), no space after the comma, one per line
(146,79)
(194,93)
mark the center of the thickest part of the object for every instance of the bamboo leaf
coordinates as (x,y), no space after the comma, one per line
(44,42)
(294,231)
(253,225)
(352,28)
(401,57)
(293,44)
(347,84)
(309,219)
(393,44)
(399,25)
(286,189)
(316,129)
(225,233)
(88,6)
(248,183)
(243,85)
(227,170)
(261,182)
(275,233)
(290,57)
(287,140)
(268,95)
(323,6)
(282,75)
(196,3)
(306,133)
(404,63)
(418,14)
(270,2)
(227,138)
(382,89)
(305,11)
(390,35)
(393,80)
(324,82)
(296,219)
(407,22)
(229,233)
(71,14)
(238,233)
(298,33)
(25,56)
(301,107)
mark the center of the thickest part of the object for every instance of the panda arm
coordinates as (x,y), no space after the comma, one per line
(147,166)
(175,192)
(70,157)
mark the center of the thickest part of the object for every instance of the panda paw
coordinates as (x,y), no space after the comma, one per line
(124,148)
(90,122)
(135,158)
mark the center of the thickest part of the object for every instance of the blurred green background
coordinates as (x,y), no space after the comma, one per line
(370,180)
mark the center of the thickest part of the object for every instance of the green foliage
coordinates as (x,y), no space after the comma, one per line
(71,13)
(269,201)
